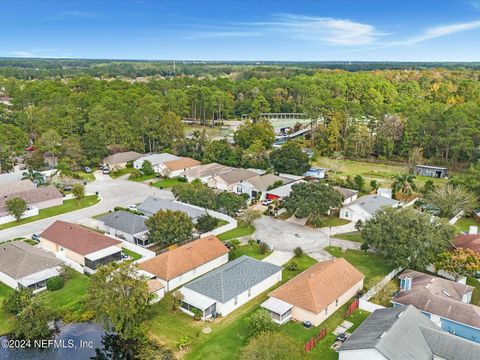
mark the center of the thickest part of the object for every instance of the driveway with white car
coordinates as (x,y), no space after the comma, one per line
(118,192)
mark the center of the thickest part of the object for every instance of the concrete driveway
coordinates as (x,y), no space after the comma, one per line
(118,192)
(279,257)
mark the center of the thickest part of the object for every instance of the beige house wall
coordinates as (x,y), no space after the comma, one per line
(55,248)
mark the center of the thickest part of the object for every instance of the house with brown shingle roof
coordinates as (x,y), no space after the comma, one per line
(229,180)
(88,248)
(316,293)
(187,262)
(120,160)
(174,168)
(468,241)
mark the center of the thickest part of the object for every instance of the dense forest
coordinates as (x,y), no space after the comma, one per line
(363,114)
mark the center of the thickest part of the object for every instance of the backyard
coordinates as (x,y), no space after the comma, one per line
(67,206)
(463,225)
(6,321)
(132,254)
(252,250)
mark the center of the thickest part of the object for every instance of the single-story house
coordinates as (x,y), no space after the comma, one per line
(315,173)
(127,226)
(257,186)
(11,177)
(24,266)
(432,171)
(468,241)
(156,287)
(176,267)
(366,207)
(37,198)
(403,333)
(151,205)
(120,160)
(282,191)
(348,195)
(88,248)
(156,160)
(205,172)
(316,293)
(445,302)
(229,181)
(228,287)
(177,167)
(385,192)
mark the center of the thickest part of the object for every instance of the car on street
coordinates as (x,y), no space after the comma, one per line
(67,187)
(105,171)
(35,237)
(132,207)
(267,202)
(87,169)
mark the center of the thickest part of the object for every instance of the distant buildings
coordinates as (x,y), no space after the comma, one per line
(432,171)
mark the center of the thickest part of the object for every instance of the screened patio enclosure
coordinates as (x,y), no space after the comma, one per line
(279,310)
(193,302)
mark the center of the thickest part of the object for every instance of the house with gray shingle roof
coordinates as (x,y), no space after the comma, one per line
(151,205)
(126,225)
(366,207)
(228,287)
(404,333)
(25,266)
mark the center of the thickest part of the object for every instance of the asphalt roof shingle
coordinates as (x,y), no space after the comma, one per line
(373,203)
(152,205)
(125,221)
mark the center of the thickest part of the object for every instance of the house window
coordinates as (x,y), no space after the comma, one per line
(326,310)
(346,214)
(336,302)
(249,292)
(235,300)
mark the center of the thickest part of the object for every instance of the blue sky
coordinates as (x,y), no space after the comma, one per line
(381,30)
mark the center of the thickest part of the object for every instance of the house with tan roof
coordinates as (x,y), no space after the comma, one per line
(120,160)
(187,262)
(229,181)
(157,160)
(205,172)
(256,187)
(174,168)
(316,293)
(85,247)
(445,302)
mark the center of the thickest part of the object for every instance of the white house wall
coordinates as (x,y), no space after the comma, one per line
(243,298)
(7,280)
(362,354)
(354,214)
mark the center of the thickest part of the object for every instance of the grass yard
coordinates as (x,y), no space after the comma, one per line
(6,321)
(371,265)
(463,225)
(242,229)
(249,250)
(167,183)
(476,292)
(67,206)
(82,175)
(31,242)
(328,221)
(132,254)
(114,174)
(143,178)
(351,236)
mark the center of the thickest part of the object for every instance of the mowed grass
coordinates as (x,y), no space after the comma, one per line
(67,206)
(132,254)
(328,221)
(117,173)
(6,321)
(242,229)
(252,250)
(167,183)
(351,236)
(476,292)
(69,297)
(463,225)
(370,265)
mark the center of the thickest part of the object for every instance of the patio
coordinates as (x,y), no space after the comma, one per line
(279,310)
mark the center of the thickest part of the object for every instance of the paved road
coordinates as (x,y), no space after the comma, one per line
(119,192)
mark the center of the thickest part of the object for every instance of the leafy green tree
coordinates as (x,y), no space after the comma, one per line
(33,176)
(251,132)
(32,320)
(255,156)
(12,143)
(450,200)
(147,168)
(78,190)
(272,346)
(250,215)
(312,200)
(169,130)
(17,300)
(206,223)
(229,203)
(168,227)
(222,152)
(407,237)
(459,262)
(260,322)
(290,159)
(51,141)
(359,182)
(196,193)
(259,105)
(121,282)
(16,207)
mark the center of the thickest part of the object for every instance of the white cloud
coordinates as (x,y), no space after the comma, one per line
(443,30)
(22,54)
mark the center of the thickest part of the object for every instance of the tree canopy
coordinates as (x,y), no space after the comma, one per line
(167,227)
(290,159)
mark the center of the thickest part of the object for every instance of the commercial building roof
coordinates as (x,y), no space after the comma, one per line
(404,333)
(122,157)
(152,205)
(233,278)
(77,238)
(320,285)
(439,296)
(125,221)
(19,259)
(373,203)
(185,258)
(237,175)
(181,164)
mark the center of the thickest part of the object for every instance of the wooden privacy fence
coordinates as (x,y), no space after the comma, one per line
(310,344)
(353,306)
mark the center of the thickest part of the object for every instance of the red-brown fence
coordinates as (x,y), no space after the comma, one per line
(310,344)
(353,306)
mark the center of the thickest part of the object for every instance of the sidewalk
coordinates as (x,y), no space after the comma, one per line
(279,257)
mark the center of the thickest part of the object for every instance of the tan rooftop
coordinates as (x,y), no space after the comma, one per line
(122,157)
(185,258)
(207,170)
(31,196)
(16,187)
(181,164)
(237,175)
(319,286)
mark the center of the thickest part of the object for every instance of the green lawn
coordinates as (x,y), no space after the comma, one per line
(476,292)
(328,221)
(117,173)
(82,175)
(371,265)
(6,321)
(464,224)
(351,236)
(67,206)
(143,178)
(249,250)
(132,254)
(167,183)
(242,229)
(31,242)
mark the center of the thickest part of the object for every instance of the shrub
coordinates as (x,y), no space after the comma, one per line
(206,223)
(263,248)
(298,251)
(197,314)
(55,283)
(15,301)
(182,179)
(292,266)
(135,174)
(234,243)
(260,322)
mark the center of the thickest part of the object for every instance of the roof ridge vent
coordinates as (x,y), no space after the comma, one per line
(447,293)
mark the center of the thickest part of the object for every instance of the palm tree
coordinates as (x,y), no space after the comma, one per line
(404,184)
(33,176)
(450,200)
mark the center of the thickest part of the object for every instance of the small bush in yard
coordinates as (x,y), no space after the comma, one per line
(292,266)
(55,283)
(263,248)
(298,251)
(260,322)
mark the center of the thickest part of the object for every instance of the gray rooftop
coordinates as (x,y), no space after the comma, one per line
(373,203)
(19,259)
(157,159)
(346,193)
(261,183)
(404,333)
(233,278)
(152,205)
(125,221)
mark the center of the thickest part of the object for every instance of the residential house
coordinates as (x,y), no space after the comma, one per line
(205,172)
(127,226)
(151,205)
(24,266)
(11,177)
(348,195)
(230,181)
(228,287)
(315,173)
(316,293)
(468,241)
(385,192)
(157,161)
(37,198)
(120,160)
(175,168)
(366,207)
(404,334)
(176,267)
(80,245)
(432,171)
(256,187)
(282,191)
(445,302)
